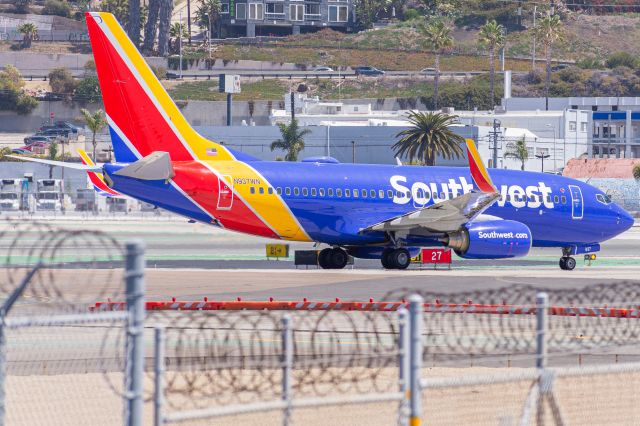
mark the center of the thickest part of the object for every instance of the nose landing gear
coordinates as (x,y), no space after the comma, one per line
(567,263)
(395,258)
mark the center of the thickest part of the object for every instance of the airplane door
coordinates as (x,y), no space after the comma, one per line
(577,205)
(225,193)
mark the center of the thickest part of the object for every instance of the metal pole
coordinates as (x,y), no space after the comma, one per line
(134,275)
(403,350)
(159,369)
(328,141)
(353,151)
(542,307)
(287,365)
(293,106)
(533,56)
(188,20)
(229,102)
(180,45)
(415,324)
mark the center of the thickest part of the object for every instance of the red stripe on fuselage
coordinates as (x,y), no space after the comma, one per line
(202,185)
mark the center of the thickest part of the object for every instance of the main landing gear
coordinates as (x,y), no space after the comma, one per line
(395,258)
(567,263)
(333,258)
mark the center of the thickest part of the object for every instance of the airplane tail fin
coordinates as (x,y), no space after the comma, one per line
(142,117)
(478,172)
(96,178)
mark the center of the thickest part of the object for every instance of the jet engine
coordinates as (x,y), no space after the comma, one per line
(492,239)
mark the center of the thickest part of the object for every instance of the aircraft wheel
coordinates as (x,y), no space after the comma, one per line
(563,263)
(323,258)
(385,259)
(400,258)
(570,264)
(338,258)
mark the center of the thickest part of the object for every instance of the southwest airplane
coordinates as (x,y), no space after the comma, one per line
(366,211)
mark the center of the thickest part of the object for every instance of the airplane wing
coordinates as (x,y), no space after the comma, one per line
(84,167)
(449,215)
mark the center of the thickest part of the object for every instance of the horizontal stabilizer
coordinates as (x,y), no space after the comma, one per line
(155,166)
(74,166)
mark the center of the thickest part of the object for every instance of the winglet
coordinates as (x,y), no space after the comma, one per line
(97,179)
(478,172)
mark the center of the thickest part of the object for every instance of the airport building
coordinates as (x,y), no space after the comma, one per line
(252,18)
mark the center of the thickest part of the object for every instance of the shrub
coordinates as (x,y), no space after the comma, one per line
(589,63)
(61,81)
(160,72)
(88,90)
(411,14)
(13,98)
(570,75)
(622,59)
(56,7)
(636,172)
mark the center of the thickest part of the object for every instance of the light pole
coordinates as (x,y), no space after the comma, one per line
(180,44)
(542,157)
(564,148)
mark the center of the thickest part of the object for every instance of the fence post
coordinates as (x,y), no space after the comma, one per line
(287,365)
(542,312)
(415,324)
(159,369)
(403,352)
(134,276)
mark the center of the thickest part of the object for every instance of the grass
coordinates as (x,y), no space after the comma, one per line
(208,91)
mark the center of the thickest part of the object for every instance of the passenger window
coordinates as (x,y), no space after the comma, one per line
(321,191)
(389,193)
(339,192)
(279,190)
(442,195)
(372,193)
(261,190)
(252,190)
(296,191)
(556,199)
(347,193)
(314,192)
(330,192)
(364,193)
(564,199)
(305,191)
(355,193)
(270,190)
(380,193)
(287,190)
(399,194)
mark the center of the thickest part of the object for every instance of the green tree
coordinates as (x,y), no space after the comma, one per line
(292,140)
(29,33)
(636,172)
(492,37)
(622,59)
(367,11)
(62,82)
(518,151)
(53,155)
(12,97)
(208,14)
(549,30)
(119,8)
(438,36)
(22,6)
(176,31)
(95,121)
(88,90)
(428,137)
(56,7)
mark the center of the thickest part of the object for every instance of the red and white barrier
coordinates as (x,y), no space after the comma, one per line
(370,306)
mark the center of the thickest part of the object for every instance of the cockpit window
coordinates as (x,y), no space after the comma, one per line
(604,199)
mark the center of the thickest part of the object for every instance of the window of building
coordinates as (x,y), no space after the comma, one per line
(347,193)
(314,192)
(312,10)
(338,13)
(583,126)
(572,126)
(261,190)
(287,190)
(594,108)
(305,192)
(296,12)
(241,11)
(275,8)
(256,11)
(296,191)
(614,107)
(330,192)
(224,8)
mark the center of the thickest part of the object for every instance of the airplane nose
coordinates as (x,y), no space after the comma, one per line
(624,220)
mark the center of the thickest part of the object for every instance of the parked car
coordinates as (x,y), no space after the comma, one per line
(22,150)
(49,96)
(36,147)
(560,67)
(428,71)
(38,138)
(55,132)
(324,69)
(370,71)
(68,125)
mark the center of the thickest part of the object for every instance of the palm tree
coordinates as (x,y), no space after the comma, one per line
(166,7)
(29,33)
(95,122)
(176,32)
(519,151)
(438,35)
(151,26)
(53,154)
(208,13)
(292,140)
(549,31)
(428,137)
(492,37)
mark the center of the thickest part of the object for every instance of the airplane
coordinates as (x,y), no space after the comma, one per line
(97,179)
(385,212)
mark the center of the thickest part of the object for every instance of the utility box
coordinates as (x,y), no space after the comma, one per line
(229,83)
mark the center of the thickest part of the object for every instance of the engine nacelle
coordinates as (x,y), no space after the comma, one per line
(493,239)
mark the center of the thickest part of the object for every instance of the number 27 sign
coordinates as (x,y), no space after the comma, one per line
(436,256)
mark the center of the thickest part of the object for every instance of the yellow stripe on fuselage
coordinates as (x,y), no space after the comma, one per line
(197,143)
(270,207)
(471,146)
